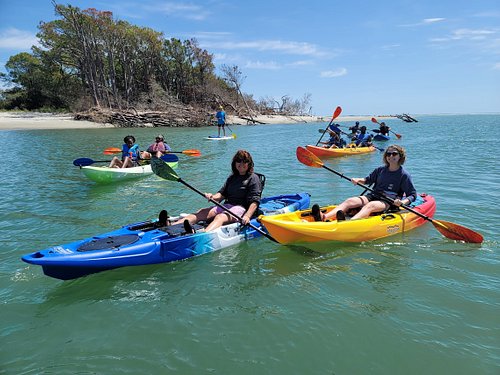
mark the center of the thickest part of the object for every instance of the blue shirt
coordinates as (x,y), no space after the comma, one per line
(221,117)
(397,184)
(335,129)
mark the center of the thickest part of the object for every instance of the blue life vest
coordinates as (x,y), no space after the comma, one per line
(131,152)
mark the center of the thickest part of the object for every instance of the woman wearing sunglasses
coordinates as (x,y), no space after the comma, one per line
(240,193)
(390,180)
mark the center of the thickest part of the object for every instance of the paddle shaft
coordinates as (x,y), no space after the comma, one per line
(226,209)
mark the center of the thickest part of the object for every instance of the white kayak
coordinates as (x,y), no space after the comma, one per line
(217,138)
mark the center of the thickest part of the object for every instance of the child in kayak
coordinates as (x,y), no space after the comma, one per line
(158,148)
(130,154)
(390,180)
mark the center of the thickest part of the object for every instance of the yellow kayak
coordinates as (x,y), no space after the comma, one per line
(336,152)
(299,227)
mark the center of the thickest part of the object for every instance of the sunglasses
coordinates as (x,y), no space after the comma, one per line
(240,161)
(392,153)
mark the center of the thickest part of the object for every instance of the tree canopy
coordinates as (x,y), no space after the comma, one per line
(89,59)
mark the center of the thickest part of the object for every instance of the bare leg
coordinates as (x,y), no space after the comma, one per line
(369,208)
(127,163)
(218,221)
(115,163)
(203,214)
(346,205)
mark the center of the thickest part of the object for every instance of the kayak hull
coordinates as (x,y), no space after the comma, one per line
(381,137)
(145,243)
(338,152)
(300,228)
(106,175)
(216,138)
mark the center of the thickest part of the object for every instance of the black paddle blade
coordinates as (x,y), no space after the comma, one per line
(163,170)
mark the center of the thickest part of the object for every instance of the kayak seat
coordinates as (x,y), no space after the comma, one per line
(177,230)
(262,179)
(147,225)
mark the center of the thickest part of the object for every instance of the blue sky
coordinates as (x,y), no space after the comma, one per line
(370,57)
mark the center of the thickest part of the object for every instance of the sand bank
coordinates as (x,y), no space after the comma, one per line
(36,120)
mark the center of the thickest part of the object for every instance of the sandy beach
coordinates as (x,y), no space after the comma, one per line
(37,120)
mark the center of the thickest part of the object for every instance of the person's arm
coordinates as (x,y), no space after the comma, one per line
(253,197)
(250,212)
(218,197)
(409,190)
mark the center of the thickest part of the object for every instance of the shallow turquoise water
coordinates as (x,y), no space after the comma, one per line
(412,304)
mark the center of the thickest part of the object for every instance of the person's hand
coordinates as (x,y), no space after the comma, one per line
(356,181)
(208,196)
(398,202)
(245,220)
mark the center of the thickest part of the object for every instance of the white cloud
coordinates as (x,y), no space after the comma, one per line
(466,35)
(471,34)
(496,66)
(424,22)
(17,39)
(390,46)
(432,20)
(292,48)
(189,11)
(333,73)
(269,65)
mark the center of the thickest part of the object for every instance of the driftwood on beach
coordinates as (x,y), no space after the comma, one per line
(175,116)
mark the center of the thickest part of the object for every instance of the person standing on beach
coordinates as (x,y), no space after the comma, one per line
(221,120)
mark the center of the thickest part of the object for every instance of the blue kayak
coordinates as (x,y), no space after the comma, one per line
(381,137)
(148,243)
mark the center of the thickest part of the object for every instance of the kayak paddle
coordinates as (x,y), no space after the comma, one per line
(190,152)
(164,171)
(396,134)
(336,114)
(84,162)
(447,229)
(112,151)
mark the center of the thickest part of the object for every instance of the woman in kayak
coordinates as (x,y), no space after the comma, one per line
(130,154)
(158,148)
(240,193)
(391,180)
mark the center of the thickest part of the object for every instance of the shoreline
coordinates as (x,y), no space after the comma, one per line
(45,121)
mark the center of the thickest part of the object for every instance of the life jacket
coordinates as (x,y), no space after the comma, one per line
(132,152)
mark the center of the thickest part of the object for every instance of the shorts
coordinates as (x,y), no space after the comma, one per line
(388,206)
(237,210)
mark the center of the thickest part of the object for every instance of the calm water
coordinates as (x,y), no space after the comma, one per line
(412,304)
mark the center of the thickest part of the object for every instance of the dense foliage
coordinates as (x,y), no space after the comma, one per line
(88,59)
